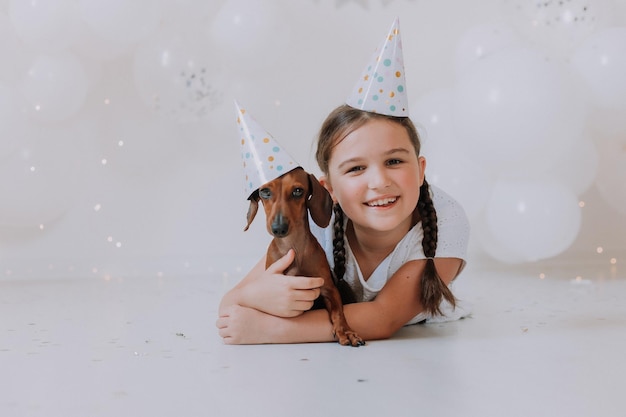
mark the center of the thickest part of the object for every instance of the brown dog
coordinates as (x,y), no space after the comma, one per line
(286,200)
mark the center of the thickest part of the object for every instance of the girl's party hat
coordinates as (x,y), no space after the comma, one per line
(263,158)
(382,88)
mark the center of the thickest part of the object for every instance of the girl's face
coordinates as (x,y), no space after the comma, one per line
(375,175)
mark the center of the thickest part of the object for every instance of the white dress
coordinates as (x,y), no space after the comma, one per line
(453,237)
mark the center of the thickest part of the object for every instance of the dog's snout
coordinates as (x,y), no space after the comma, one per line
(280,226)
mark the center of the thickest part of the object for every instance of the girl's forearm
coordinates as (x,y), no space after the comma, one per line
(314,326)
(237,294)
(229,299)
(243,325)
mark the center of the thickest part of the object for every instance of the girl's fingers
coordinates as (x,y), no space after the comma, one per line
(307,283)
(298,283)
(308,295)
(281,264)
(302,306)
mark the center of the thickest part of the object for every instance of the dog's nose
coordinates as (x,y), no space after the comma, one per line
(280,226)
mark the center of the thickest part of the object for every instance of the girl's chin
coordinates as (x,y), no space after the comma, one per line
(382,223)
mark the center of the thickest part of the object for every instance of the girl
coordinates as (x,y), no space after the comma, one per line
(395,240)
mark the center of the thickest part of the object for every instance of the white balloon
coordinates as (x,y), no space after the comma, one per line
(10,121)
(251,34)
(533,219)
(490,244)
(556,25)
(481,41)
(190,13)
(576,167)
(607,121)
(515,105)
(176,77)
(611,173)
(133,142)
(432,115)
(122,20)
(601,61)
(92,46)
(49,25)
(41,180)
(54,87)
(15,57)
(459,176)
(447,165)
(140,146)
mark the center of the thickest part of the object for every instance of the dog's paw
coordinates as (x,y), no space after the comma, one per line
(349,338)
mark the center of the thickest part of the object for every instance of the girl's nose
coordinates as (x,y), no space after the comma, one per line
(378,178)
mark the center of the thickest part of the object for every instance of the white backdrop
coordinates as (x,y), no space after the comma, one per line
(119,154)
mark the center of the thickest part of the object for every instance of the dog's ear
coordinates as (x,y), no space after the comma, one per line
(319,203)
(254,207)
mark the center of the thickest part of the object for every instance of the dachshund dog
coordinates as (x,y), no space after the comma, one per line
(286,200)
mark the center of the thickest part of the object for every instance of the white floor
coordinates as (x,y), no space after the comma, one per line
(552,345)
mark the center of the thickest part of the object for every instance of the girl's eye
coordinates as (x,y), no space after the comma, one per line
(394,162)
(297,192)
(356,169)
(265,193)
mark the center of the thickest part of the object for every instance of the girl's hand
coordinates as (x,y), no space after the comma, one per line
(274,293)
(242,325)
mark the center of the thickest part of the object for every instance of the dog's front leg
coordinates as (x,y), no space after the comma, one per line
(341,330)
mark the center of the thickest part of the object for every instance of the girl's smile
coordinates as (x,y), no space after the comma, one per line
(382,202)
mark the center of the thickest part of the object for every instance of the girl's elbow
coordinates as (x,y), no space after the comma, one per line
(385,331)
(386,334)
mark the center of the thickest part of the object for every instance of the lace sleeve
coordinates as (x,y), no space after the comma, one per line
(453,224)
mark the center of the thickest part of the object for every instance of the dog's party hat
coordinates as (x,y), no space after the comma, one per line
(263,158)
(382,87)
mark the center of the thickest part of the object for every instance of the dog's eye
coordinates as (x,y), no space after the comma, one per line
(297,192)
(265,193)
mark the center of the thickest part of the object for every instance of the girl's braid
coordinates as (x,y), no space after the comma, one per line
(433,289)
(339,256)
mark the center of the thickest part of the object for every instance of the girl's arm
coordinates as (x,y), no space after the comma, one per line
(395,305)
(272,292)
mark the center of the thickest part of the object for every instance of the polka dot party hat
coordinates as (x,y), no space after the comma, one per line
(382,88)
(263,158)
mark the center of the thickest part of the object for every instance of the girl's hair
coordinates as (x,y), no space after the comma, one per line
(339,124)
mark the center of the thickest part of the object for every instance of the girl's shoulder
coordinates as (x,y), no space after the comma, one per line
(448,209)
